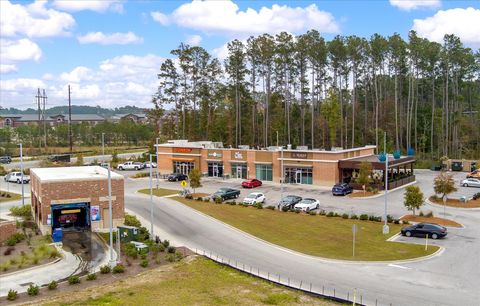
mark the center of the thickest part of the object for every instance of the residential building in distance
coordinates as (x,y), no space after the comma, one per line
(136,118)
(16,120)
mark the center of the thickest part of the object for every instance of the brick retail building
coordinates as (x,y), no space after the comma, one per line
(75,198)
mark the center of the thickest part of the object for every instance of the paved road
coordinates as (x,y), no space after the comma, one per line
(449,279)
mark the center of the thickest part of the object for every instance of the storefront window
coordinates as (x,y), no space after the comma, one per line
(215,169)
(263,172)
(239,171)
(298,175)
(183,167)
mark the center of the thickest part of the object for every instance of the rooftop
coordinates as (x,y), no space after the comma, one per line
(82,173)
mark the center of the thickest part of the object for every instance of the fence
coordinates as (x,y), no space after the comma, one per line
(355,297)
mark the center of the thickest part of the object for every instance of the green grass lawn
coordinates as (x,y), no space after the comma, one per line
(160,192)
(314,235)
(192,282)
(13,196)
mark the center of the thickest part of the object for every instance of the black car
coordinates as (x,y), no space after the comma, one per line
(433,231)
(176,177)
(341,189)
(289,201)
(226,194)
(59,158)
(5,159)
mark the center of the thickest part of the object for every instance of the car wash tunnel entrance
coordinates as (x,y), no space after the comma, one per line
(71,217)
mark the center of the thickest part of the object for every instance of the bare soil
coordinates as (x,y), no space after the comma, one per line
(436,220)
(457,203)
(361,194)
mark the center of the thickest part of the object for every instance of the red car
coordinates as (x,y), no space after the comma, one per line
(251,183)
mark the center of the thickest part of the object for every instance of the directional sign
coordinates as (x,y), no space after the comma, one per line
(183,184)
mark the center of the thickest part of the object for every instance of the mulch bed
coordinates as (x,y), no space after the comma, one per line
(362,194)
(436,220)
(457,203)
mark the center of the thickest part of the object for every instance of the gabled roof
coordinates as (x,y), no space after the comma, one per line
(75,117)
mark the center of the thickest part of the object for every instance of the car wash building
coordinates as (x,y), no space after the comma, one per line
(75,198)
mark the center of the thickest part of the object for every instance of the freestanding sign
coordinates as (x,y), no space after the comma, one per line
(183,184)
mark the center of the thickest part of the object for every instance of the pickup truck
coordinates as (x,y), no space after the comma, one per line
(130,166)
(226,193)
(16,177)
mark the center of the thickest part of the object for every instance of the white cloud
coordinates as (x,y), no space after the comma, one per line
(19,50)
(19,85)
(462,22)
(225,17)
(193,40)
(110,39)
(76,75)
(408,5)
(98,6)
(33,20)
(8,68)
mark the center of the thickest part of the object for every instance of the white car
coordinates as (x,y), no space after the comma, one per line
(16,177)
(307,205)
(254,198)
(130,166)
(147,165)
(471,182)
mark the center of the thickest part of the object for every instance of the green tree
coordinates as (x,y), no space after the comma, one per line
(364,174)
(330,110)
(444,184)
(195,177)
(413,198)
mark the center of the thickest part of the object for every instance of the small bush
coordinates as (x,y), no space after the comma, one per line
(74,279)
(345,216)
(396,221)
(32,290)
(371,218)
(12,295)
(118,269)
(14,239)
(171,258)
(259,206)
(189,197)
(435,198)
(166,243)
(330,214)
(105,269)
(354,217)
(312,213)
(233,203)
(206,199)
(405,222)
(91,276)
(429,214)
(199,199)
(9,250)
(171,249)
(297,211)
(270,207)
(389,218)
(158,261)
(131,220)
(218,200)
(21,211)
(336,215)
(52,285)
(284,208)
(54,253)
(369,189)
(143,256)
(144,263)
(375,191)
(420,213)
(476,196)
(364,217)
(322,212)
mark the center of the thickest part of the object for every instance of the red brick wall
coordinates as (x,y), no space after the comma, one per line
(7,229)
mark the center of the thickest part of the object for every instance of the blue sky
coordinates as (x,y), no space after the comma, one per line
(110,51)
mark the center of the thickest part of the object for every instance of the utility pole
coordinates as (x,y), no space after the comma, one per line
(44,119)
(385,229)
(70,120)
(39,114)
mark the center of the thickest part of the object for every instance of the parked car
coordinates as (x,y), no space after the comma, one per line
(433,231)
(59,158)
(226,193)
(251,183)
(177,177)
(289,201)
(130,166)
(254,198)
(103,165)
(342,189)
(16,177)
(474,174)
(307,205)
(147,165)
(471,182)
(5,159)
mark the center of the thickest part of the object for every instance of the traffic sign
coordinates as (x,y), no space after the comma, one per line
(183,184)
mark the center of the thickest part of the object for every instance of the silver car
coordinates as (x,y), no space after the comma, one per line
(471,182)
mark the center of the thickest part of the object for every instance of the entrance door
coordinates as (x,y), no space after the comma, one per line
(106,218)
(298,177)
(215,171)
(184,168)
(239,171)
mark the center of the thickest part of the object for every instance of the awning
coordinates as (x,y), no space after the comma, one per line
(238,161)
(262,163)
(182,159)
(297,166)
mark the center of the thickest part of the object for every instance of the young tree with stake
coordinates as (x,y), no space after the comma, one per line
(413,198)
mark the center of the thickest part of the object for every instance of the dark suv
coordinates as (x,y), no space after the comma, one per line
(5,159)
(289,201)
(176,177)
(433,231)
(342,189)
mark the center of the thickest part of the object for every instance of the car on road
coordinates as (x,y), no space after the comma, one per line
(177,177)
(147,165)
(59,158)
(226,193)
(130,166)
(16,177)
(254,198)
(342,189)
(471,182)
(5,159)
(307,205)
(289,201)
(474,174)
(251,183)
(433,231)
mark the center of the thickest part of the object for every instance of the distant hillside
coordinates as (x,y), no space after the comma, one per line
(77,109)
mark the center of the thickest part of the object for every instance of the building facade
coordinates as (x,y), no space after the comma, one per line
(75,198)
(315,167)
(16,120)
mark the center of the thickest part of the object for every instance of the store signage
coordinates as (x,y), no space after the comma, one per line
(299,155)
(95,213)
(238,155)
(70,211)
(215,154)
(182,150)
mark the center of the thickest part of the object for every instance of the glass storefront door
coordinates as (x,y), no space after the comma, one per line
(215,169)
(297,175)
(263,172)
(239,171)
(183,167)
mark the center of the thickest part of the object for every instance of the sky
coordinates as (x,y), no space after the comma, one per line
(110,52)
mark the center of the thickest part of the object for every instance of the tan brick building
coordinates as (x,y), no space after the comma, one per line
(75,198)
(317,167)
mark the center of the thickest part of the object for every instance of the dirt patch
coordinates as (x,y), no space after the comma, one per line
(199,194)
(362,194)
(457,203)
(436,220)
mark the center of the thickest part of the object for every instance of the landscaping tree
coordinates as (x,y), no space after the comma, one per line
(413,198)
(195,179)
(80,160)
(364,174)
(444,184)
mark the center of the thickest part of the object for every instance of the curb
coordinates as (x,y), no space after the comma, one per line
(382,193)
(34,267)
(323,259)
(457,208)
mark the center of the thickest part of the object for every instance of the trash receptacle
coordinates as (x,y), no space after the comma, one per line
(57,235)
(128,233)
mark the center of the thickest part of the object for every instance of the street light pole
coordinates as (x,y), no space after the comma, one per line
(21,172)
(151,199)
(386,230)
(103,147)
(110,214)
(156,152)
(281,172)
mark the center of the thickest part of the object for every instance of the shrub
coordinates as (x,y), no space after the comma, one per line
(312,213)
(143,234)
(371,218)
(9,250)
(233,203)
(476,196)
(218,200)
(420,213)
(354,217)
(206,199)
(54,253)
(144,263)
(435,198)
(12,295)
(271,207)
(131,251)
(336,215)
(52,285)
(166,243)
(14,239)
(118,269)
(32,290)
(297,211)
(429,214)
(345,216)
(105,269)
(74,279)
(21,211)
(189,197)
(143,256)
(322,212)
(364,217)
(396,221)
(199,199)
(91,276)
(369,189)
(131,220)
(330,214)
(259,206)
(171,249)
(284,208)
(375,191)
(389,219)
(171,258)
(405,222)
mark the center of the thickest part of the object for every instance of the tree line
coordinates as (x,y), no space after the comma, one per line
(306,91)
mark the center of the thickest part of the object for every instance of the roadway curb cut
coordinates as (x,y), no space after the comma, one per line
(383,193)
(457,208)
(323,259)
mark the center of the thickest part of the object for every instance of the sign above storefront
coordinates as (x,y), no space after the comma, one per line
(299,155)
(238,155)
(182,150)
(215,154)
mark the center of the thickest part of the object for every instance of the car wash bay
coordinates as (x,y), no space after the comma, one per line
(75,216)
